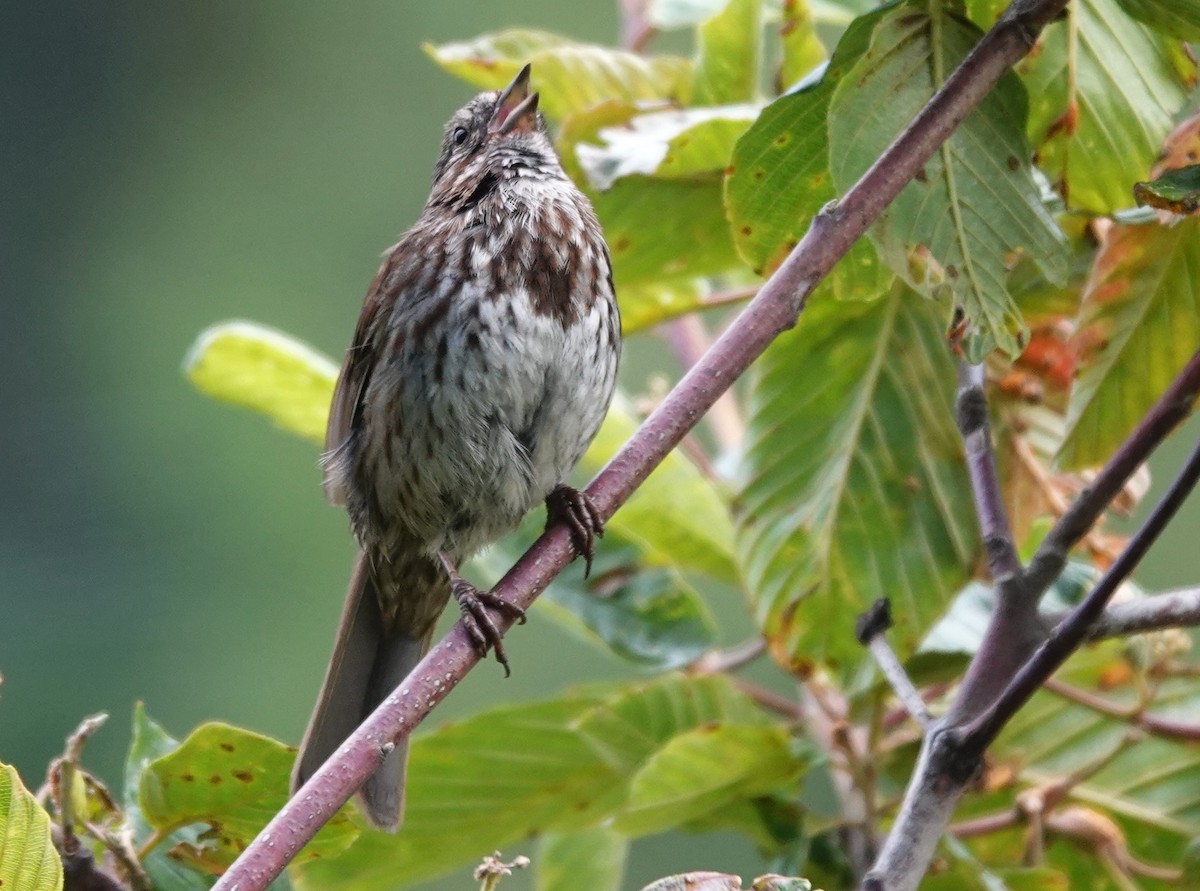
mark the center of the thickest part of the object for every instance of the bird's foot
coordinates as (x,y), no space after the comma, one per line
(476,605)
(579,513)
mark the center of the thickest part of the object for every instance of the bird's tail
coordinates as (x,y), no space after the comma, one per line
(368,662)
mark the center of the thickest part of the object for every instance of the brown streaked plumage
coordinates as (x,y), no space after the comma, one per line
(483,362)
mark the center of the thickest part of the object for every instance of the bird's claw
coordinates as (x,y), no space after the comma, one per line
(582,518)
(481,628)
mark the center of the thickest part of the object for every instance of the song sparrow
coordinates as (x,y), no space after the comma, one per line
(483,363)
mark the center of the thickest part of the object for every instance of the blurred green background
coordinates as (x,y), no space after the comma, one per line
(167,166)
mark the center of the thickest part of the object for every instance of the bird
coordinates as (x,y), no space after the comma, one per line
(482,365)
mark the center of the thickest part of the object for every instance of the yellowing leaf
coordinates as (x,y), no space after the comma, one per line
(28,861)
(569,75)
(1139,325)
(259,368)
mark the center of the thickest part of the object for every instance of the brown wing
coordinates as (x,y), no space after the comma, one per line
(346,407)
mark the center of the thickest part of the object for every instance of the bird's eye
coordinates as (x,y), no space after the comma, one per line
(460,135)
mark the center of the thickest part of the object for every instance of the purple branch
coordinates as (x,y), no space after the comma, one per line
(944,769)
(972,414)
(774,309)
(1074,630)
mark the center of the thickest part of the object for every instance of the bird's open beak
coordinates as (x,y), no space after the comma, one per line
(516,109)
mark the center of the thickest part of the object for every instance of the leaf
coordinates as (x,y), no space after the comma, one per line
(649,616)
(801,48)
(1190,873)
(28,860)
(1098,130)
(728,49)
(569,75)
(593,859)
(481,784)
(779,173)
(1176,190)
(696,244)
(704,769)
(626,731)
(854,481)
(676,516)
(1178,18)
(666,144)
(646,304)
(256,367)
(503,775)
(975,205)
(234,781)
(1138,326)
(149,743)
(1145,781)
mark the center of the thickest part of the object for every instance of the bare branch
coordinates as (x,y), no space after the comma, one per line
(1072,631)
(1171,609)
(870,630)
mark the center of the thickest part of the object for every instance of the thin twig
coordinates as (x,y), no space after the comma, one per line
(1171,609)
(870,629)
(731,658)
(1167,728)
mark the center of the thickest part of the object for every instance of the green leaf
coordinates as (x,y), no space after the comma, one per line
(1190,872)
(676,516)
(728,49)
(855,486)
(1145,781)
(234,781)
(1138,326)
(150,742)
(28,860)
(648,616)
(1098,125)
(628,730)
(666,144)
(696,244)
(801,49)
(501,776)
(259,368)
(1176,190)
(569,75)
(779,174)
(1178,18)
(975,205)
(593,859)
(704,769)
(646,304)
